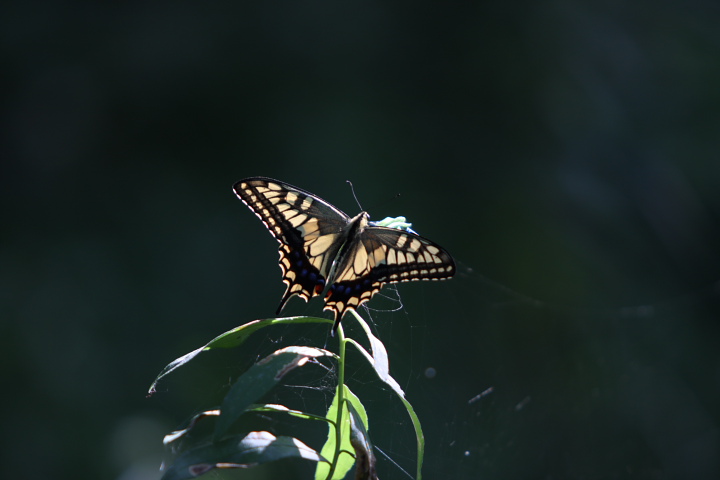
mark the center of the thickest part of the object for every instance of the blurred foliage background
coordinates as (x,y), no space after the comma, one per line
(566,151)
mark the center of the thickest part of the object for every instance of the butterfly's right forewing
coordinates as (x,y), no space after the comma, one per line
(308,229)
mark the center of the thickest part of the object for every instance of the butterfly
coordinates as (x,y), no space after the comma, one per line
(323,249)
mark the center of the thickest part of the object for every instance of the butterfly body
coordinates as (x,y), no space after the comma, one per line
(322,249)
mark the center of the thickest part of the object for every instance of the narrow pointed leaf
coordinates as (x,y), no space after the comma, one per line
(345,460)
(254,449)
(259,379)
(233,338)
(357,406)
(379,362)
(272,407)
(360,440)
(267,407)
(172,436)
(380,365)
(419,436)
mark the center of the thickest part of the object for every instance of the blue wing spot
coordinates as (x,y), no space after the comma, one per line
(303,272)
(312,276)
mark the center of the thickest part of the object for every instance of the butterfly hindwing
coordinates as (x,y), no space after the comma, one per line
(307,228)
(378,256)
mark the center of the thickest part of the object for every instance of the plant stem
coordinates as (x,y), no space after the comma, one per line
(340,399)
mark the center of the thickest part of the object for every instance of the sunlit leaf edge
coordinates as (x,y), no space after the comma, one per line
(230,339)
(389,380)
(260,379)
(258,407)
(346,459)
(365,464)
(238,451)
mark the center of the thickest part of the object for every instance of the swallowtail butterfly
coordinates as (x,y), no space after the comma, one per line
(323,249)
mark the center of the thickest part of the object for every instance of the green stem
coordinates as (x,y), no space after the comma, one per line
(340,399)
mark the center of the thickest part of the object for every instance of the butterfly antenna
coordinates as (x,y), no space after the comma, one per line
(352,189)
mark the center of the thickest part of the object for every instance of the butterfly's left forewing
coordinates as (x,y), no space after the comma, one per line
(380,255)
(307,228)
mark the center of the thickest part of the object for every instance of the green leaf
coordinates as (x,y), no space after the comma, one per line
(259,379)
(235,452)
(273,407)
(345,459)
(358,407)
(379,357)
(172,436)
(360,440)
(419,437)
(231,339)
(379,361)
(266,407)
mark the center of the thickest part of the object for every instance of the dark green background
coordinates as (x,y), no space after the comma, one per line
(568,151)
